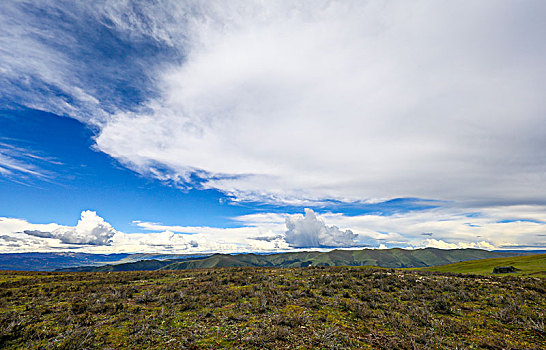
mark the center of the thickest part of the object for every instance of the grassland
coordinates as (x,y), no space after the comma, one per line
(525,265)
(290,308)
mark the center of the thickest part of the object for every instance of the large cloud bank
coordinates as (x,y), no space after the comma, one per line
(297,100)
(309,231)
(514,227)
(94,235)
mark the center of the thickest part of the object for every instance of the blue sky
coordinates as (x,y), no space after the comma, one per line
(79,178)
(186,126)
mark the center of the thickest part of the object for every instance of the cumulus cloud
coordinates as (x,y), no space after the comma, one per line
(91,229)
(498,227)
(298,100)
(310,232)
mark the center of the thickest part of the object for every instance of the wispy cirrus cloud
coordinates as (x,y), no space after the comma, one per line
(22,165)
(82,59)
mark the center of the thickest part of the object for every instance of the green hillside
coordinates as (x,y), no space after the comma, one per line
(392,258)
(526,264)
(366,257)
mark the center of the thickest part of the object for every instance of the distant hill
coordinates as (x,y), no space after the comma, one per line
(525,265)
(55,261)
(394,258)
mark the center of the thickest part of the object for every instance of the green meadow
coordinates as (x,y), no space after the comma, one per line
(526,265)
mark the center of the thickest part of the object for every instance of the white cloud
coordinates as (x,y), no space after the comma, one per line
(93,234)
(433,243)
(18,164)
(350,100)
(91,229)
(254,235)
(310,232)
(12,227)
(32,71)
(300,100)
(451,227)
(165,239)
(492,228)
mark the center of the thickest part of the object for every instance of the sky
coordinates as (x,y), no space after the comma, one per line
(251,126)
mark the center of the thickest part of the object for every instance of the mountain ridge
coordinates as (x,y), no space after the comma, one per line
(51,261)
(391,258)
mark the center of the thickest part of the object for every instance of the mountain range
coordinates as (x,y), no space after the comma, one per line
(33,261)
(391,258)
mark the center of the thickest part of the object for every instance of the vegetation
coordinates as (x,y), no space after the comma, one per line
(365,257)
(290,308)
(525,265)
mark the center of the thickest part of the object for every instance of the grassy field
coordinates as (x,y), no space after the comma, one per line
(291,308)
(526,265)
